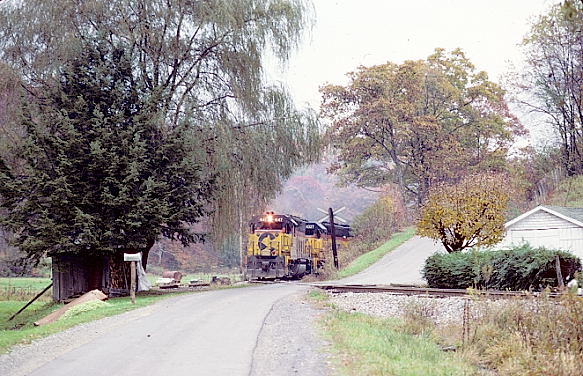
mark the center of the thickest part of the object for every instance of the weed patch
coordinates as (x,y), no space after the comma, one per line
(535,337)
(366,345)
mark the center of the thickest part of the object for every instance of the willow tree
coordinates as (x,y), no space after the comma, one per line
(204,61)
(417,123)
(11,96)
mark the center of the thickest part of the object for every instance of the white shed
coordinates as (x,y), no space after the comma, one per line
(552,227)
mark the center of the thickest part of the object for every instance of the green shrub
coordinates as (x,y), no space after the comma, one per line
(378,222)
(455,270)
(518,268)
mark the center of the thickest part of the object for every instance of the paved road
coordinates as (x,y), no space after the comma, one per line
(402,265)
(210,333)
(226,332)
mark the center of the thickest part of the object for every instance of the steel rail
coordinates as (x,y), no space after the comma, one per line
(432,292)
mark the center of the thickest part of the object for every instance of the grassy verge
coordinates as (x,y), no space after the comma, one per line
(365,260)
(25,282)
(19,288)
(365,345)
(22,330)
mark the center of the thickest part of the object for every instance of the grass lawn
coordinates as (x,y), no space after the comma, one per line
(364,261)
(366,345)
(23,289)
(25,282)
(22,330)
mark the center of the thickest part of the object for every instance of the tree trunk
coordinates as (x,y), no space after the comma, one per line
(146,252)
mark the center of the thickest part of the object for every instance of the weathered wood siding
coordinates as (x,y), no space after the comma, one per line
(542,220)
(542,229)
(75,275)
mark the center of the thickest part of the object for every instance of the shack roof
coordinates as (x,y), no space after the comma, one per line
(573,215)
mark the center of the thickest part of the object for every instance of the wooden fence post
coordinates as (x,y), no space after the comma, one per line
(559,274)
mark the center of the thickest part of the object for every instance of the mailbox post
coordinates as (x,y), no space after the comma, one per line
(132,258)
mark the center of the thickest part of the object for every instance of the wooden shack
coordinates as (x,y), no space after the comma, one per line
(75,274)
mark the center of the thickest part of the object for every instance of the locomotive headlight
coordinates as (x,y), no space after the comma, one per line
(270,218)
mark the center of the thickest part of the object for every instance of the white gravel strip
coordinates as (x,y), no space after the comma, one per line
(440,310)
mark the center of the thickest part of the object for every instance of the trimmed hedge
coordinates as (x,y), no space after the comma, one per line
(518,268)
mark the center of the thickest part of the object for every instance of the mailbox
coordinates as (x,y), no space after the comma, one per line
(132,257)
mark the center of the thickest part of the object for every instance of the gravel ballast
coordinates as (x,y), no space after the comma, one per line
(441,311)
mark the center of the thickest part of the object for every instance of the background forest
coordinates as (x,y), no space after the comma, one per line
(150,126)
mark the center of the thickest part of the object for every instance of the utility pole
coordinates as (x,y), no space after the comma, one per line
(333,236)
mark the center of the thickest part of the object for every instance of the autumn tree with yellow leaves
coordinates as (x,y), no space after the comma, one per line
(466,214)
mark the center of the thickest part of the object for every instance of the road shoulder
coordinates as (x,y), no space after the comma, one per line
(288,343)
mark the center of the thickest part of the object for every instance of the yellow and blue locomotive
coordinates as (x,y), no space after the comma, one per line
(284,246)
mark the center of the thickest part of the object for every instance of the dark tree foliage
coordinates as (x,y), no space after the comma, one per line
(100,172)
(207,59)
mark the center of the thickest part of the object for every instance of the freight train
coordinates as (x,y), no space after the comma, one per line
(287,246)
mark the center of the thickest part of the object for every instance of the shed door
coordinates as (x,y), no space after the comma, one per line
(537,238)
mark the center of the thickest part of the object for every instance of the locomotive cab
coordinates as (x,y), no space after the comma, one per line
(269,245)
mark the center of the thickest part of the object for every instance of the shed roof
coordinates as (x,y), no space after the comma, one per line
(573,215)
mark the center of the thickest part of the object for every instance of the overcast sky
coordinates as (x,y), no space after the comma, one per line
(349,33)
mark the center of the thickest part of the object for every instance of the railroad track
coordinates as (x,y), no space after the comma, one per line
(268,281)
(431,292)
